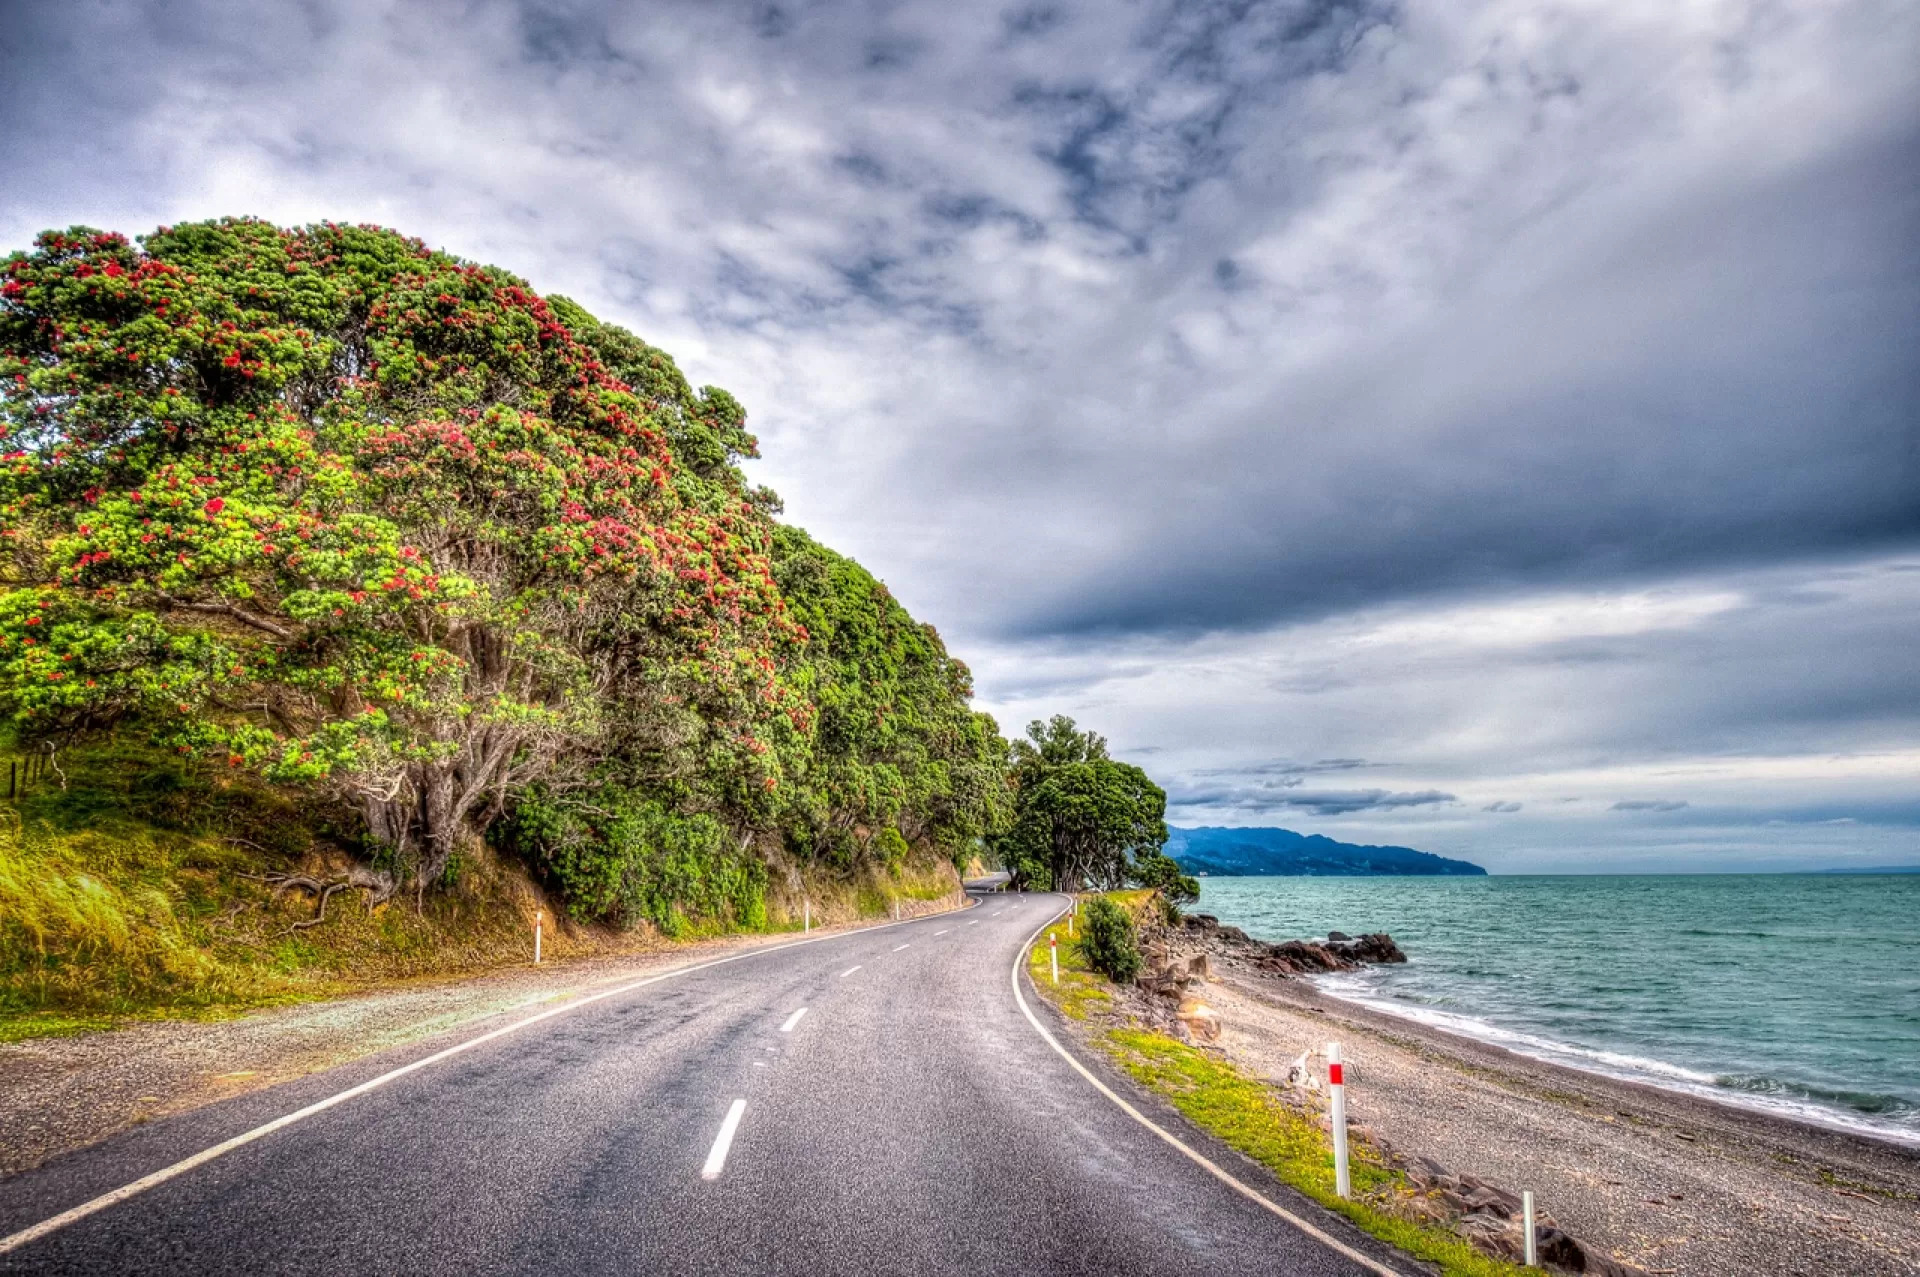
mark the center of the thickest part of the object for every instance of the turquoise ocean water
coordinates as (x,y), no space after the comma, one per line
(1798,994)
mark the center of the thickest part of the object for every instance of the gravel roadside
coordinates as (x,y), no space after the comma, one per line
(1665,1181)
(61,1093)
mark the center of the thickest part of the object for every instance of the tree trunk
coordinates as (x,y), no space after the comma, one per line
(423,821)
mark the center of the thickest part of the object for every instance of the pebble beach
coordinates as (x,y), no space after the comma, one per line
(1667,1182)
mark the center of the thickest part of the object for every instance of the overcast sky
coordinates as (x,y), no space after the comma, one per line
(1492,427)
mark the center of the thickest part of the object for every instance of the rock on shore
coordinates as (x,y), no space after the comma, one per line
(1339,952)
(1177,962)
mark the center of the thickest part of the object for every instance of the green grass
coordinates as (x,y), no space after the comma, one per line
(98,926)
(1080,992)
(1247,1114)
(126,893)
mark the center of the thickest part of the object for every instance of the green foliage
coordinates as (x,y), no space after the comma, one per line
(1108,944)
(331,507)
(890,847)
(136,889)
(1080,819)
(895,747)
(407,543)
(623,858)
(1160,873)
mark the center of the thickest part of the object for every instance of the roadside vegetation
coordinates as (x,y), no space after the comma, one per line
(357,601)
(345,582)
(1108,945)
(144,887)
(1082,821)
(1244,1112)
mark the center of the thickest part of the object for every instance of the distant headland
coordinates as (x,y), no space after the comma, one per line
(1282,852)
(1869,869)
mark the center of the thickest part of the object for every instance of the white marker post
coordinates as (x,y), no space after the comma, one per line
(536,936)
(1053,955)
(1337,1087)
(806,916)
(1526,1225)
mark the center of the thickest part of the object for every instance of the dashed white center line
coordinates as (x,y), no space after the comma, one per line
(793,1020)
(908,945)
(942,933)
(973,922)
(850,970)
(717,1158)
(759,1064)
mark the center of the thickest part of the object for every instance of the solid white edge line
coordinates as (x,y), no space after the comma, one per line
(793,1020)
(850,970)
(54,1224)
(717,1156)
(1218,1172)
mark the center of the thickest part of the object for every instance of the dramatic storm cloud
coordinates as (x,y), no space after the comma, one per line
(1489,426)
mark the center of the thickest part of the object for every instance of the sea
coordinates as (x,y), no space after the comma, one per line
(1797,994)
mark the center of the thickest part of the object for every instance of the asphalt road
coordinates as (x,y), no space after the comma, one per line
(912,1120)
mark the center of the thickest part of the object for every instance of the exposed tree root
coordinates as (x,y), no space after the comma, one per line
(378,886)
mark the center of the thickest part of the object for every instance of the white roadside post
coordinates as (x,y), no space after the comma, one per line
(1337,1089)
(806,916)
(1526,1225)
(1053,955)
(536,937)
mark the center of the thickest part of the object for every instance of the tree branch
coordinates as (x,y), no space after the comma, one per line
(260,623)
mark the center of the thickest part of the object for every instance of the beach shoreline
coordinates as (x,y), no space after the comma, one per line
(1664,1179)
(1806,1115)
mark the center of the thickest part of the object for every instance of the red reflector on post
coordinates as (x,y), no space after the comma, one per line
(1333,1075)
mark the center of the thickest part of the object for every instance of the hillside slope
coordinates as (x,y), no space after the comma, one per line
(429,601)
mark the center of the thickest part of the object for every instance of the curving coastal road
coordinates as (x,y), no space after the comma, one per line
(867,1102)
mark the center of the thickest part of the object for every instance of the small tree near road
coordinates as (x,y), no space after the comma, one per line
(1109,945)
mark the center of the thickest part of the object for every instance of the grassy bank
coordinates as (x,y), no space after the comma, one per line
(1249,1115)
(136,889)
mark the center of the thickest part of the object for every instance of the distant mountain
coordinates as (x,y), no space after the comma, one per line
(1871,869)
(1276,852)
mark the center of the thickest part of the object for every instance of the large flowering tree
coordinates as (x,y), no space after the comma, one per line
(327,505)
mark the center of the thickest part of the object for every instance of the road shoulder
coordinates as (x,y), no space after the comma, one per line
(59,1094)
